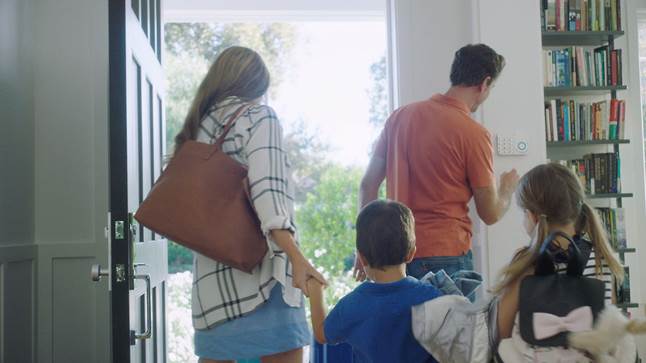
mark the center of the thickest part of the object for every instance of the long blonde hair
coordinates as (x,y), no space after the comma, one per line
(237,71)
(552,192)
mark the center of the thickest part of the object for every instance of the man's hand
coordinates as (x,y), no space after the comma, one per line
(508,182)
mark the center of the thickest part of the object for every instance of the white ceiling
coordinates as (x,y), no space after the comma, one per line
(272,10)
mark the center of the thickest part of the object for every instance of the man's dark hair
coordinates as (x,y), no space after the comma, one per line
(385,233)
(473,63)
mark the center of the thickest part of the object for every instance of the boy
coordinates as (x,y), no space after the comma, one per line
(375,318)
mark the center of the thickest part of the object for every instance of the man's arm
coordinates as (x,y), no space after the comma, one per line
(371,181)
(317,309)
(492,203)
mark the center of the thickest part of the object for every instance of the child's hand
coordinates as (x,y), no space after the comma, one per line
(314,286)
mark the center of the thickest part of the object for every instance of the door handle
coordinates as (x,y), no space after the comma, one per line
(148,315)
(97,272)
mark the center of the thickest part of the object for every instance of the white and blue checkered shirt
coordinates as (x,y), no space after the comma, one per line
(221,293)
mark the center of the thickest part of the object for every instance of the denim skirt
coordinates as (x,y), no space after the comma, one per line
(274,327)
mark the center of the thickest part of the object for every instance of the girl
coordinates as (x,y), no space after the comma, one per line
(238,315)
(553,201)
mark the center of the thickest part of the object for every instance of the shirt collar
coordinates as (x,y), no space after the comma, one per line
(453,102)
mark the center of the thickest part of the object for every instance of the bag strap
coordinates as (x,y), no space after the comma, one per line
(229,125)
(545,265)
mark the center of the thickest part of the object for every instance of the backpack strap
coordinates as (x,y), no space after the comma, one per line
(547,259)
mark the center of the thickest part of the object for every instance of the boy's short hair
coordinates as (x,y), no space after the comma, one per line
(473,63)
(385,233)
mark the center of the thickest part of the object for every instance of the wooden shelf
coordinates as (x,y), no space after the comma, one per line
(585,143)
(554,38)
(628,306)
(626,250)
(562,91)
(609,195)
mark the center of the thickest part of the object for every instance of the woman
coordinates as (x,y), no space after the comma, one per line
(238,315)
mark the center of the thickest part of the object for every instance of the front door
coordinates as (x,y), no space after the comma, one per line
(138,266)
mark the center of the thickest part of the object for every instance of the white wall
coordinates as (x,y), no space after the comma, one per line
(633,159)
(515,105)
(427,35)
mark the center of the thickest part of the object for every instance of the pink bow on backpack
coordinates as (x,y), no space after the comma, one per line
(548,325)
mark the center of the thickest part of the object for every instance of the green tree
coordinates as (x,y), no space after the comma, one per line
(378,92)
(326,219)
(192,47)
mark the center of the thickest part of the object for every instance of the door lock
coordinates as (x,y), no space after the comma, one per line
(97,272)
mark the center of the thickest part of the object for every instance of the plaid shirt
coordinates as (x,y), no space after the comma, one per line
(221,293)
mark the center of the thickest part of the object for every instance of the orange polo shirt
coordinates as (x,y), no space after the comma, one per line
(436,155)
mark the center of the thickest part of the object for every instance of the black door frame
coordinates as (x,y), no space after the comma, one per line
(121,259)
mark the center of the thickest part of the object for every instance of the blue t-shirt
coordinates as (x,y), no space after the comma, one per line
(375,319)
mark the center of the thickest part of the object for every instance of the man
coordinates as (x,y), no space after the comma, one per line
(435,158)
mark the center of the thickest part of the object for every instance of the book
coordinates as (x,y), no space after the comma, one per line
(551,15)
(622,118)
(613,119)
(571,11)
(620,234)
(613,15)
(613,68)
(618,14)
(584,15)
(554,121)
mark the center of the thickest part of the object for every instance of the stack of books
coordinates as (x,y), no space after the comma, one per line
(598,173)
(614,221)
(581,15)
(570,120)
(582,67)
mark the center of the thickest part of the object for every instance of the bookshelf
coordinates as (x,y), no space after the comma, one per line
(582,63)
(589,90)
(585,143)
(555,38)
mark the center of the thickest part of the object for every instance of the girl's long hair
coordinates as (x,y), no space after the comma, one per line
(237,71)
(552,192)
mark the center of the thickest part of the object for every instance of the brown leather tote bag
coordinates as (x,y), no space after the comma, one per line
(202,201)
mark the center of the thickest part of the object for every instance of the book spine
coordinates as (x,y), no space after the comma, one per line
(567,65)
(546,114)
(602,15)
(588,174)
(578,14)
(573,121)
(566,121)
(613,15)
(598,180)
(572,15)
(561,128)
(584,15)
(622,119)
(595,21)
(621,227)
(554,121)
(551,15)
(618,14)
(614,68)
(573,67)
(620,78)
(612,121)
